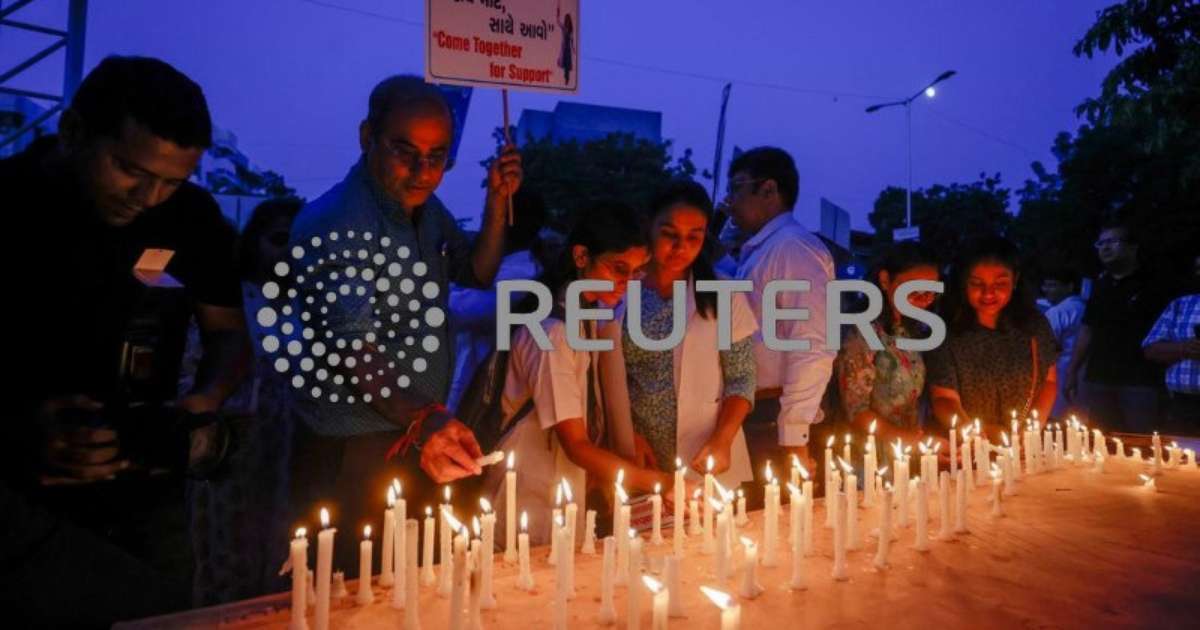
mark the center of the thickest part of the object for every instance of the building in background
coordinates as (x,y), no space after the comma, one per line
(234,181)
(851,249)
(583,122)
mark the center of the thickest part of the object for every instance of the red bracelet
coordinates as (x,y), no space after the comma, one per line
(414,430)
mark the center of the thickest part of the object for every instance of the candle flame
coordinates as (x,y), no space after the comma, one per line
(524,521)
(558,495)
(446,493)
(485,505)
(846,467)
(621,496)
(654,585)
(746,542)
(476,527)
(978,426)
(1014,414)
(722,600)
(428,511)
(1147,480)
(678,464)
(632,533)
(697,493)
(396,486)
(937,447)
(803,470)
(742,495)
(954,421)
(767,473)
(887,486)
(846,440)
(324,518)
(301,533)
(1034,413)
(717,506)
(566,488)
(367,532)
(881,471)
(512,460)
(620,476)
(791,488)
(657,488)
(708,464)
(871,429)
(391,497)
(1004,436)
(455,524)
(829,442)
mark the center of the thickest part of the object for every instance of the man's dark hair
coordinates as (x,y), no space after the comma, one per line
(150,92)
(402,90)
(763,163)
(249,251)
(1123,224)
(529,216)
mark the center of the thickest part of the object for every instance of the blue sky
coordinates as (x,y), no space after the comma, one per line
(291,77)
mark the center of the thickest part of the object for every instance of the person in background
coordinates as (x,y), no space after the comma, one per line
(1174,341)
(474,310)
(999,354)
(1061,288)
(885,386)
(1121,389)
(238,518)
(688,402)
(761,195)
(552,403)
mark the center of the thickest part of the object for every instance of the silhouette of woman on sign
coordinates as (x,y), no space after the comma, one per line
(566,59)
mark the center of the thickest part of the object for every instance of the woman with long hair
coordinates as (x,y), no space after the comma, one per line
(999,354)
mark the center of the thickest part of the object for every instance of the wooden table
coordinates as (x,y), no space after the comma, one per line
(1075,549)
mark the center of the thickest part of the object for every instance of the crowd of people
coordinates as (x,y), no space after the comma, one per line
(161,457)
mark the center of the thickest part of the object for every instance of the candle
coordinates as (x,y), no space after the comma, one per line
(953,443)
(771,519)
(299,556)
(446,585)
(525,579)
(312,592)
(796,520)
(589,533)
(680,488)
(806,510)
(339,585)
(399,546)
(1191,457)
(365,595)
(1148,482)
(387,560)
(555,517)
(656,516)
(412,615)
(633,594)
(562,581)
(944,513)
(510,509)
(722,552)
(839,537)
(661,599)
(694,512)
(846,448)
(885,528)
(622,540)
(570,516)
(900,482)
(851,486)
(675,595)
(742,519)
(997,512)
(828,480)
(475,583)
(427,575)
(980,454)
(870,463)
(922,537)
(871,435)
(608,613)
(324,570)
(967,464)
(457,569)
(707,528)
(731,613)
(960,512)
(486,554)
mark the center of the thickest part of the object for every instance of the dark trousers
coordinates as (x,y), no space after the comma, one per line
(1131,409)
(1183,415)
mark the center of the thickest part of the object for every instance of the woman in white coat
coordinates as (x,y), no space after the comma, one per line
(562,435)
(687,402)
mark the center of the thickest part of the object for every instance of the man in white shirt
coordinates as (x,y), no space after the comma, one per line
(1065,314)
(762,190)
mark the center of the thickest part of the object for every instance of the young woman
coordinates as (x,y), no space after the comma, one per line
(886,385)
(999,352)
(562,435)
(688,402)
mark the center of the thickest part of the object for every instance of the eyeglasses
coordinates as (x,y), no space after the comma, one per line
(734,186)
(1107,242)
(411,158)
(622,271)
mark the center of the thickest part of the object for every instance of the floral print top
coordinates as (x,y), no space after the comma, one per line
(889,382)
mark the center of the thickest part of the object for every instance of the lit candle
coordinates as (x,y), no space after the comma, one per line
(324,570)
(694,512)
(771,519)
(675,597)
(922,536)
(1173,455)
(1191,457)
(387,559)
(562,582)
(555,517)
(608,613)
(885,528)
(447,575)
(846,448)
(980,454)
(365,595)
(722,552)
(486,554)
(960,512)
(953,443)
(457,569)
(510,509)
(851,486)
(944,513)
(806,510)
(525,579)
(633,594)
(870,464)
(731,613)
(1099,444)
(622,540)
(967,465)
(1006,460)
(742,519)
(997,511)
(412,615)
(589,533)
(900,482)
(656,516)
(796,519)
(618,492)
(828,480)
(399,546)
(570,521)
(475,580)
(427,574)
(680,488)
(299,555)
(708,546)
(661,600)
(839,537)
(1148,482)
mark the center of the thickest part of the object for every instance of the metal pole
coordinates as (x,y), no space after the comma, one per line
(908,192)
(73,65)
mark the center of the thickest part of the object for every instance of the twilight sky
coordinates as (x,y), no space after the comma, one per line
(291,78)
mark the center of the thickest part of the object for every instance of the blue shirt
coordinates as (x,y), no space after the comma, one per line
(388,278)
(1179,322)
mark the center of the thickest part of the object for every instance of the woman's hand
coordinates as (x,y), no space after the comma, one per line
(719,450)
(643,455)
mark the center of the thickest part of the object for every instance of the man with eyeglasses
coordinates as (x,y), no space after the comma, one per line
(387,245)
(1120,388)
(763,186)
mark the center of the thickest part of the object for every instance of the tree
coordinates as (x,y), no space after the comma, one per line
(571,175)
(948,215)
(1138,153)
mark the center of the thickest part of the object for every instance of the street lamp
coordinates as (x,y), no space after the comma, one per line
(929,92)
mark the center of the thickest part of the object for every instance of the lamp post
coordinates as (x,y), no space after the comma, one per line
(929,92)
